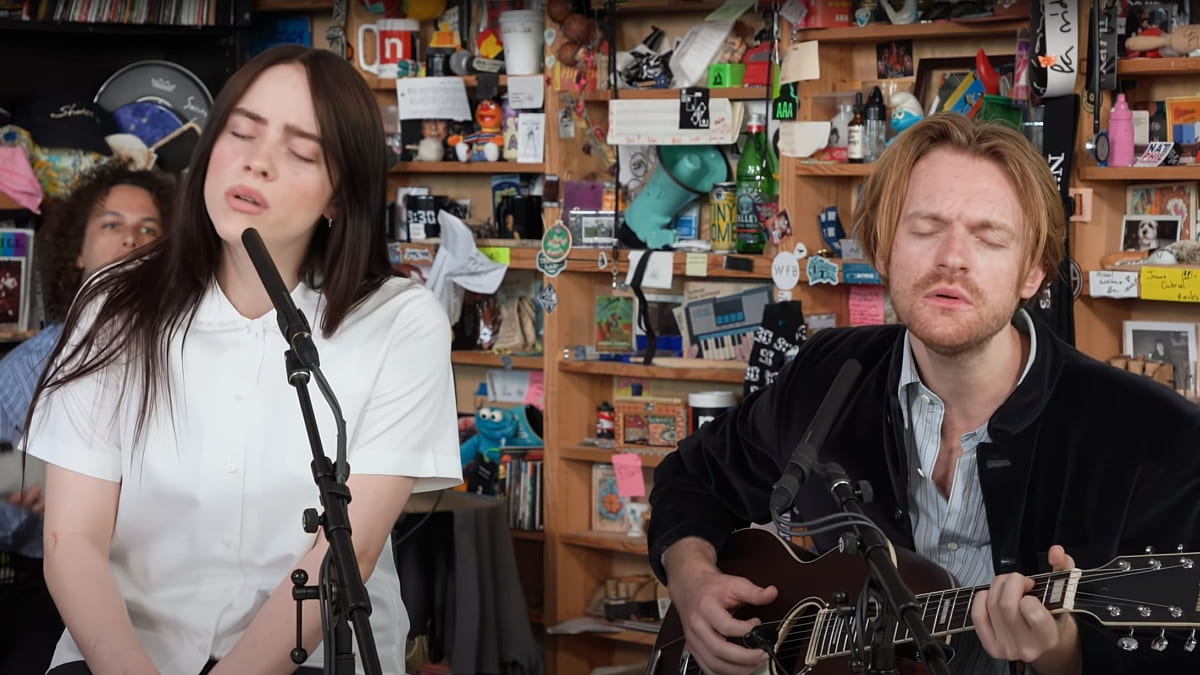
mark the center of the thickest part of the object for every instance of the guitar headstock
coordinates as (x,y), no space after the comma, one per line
(1153,590)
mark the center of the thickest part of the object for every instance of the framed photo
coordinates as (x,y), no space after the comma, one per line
(1149,233)
(592,229)
(894,59)
(608,506)
(614,323)
(940,79)
(1165,199)
(1183,119)
(1167,341)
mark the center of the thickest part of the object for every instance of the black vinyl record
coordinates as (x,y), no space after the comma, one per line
(163,82)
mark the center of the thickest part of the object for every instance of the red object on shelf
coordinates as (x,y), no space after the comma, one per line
(757,60)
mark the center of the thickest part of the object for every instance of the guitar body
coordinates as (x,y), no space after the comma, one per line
(807,584)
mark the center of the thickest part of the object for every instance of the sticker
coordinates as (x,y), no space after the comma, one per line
(801,251)
(566,124)
(556,242)
(821,271)
(418,255)
(1076,279)
(785,270)
(550,268)
(693,108)
(859,273)
(547,298)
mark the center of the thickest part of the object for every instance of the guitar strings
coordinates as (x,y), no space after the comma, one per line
(805,627)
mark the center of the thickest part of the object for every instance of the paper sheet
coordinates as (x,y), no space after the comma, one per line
(800,63)
(432,98)
(697,49)
(526,92)
(730,11)
(659,271)
(656,122)
(1113,284)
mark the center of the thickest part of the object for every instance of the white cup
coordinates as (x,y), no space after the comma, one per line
(521,33)
(395,41)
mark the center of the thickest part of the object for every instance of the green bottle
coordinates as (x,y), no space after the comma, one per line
(757,185)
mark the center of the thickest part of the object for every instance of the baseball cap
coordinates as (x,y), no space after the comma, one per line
(69,123)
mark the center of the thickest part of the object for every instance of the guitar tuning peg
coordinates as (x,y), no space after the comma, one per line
(1128,642)
(1189,645)
(1179,548)
(1149,549)
(1160,643)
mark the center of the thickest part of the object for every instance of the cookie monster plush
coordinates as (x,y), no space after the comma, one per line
(498,428)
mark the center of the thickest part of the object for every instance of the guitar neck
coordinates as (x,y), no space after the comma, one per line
(942,612)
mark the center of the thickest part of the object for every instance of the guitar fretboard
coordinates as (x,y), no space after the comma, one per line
(942,612)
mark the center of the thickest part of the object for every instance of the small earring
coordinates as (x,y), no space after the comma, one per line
(329,222)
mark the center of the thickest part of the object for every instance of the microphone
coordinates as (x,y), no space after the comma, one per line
(291,320)
(804,457)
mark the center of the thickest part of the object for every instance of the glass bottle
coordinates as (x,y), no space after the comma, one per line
(856,133)
(756,184)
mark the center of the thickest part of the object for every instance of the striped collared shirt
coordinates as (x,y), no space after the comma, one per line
(950,532)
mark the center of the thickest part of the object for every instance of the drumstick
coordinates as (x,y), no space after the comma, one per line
(1183,40)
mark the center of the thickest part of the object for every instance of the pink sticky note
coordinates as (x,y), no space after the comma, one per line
(866,305)
(536,393)
(630,482)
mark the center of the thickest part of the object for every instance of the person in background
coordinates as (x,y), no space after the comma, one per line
(178,461)
(110,211)
(994,449)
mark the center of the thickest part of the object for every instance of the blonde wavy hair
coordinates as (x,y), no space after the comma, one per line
(884,191)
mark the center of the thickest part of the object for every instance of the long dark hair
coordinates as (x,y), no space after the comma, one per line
(145,301)
(64,227)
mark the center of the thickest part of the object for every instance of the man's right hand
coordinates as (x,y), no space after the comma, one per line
(703,596)
(30,500)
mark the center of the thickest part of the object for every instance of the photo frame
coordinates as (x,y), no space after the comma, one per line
(1165,199)
(1168,341)
(608,506)
(591,229)
(938,78)
(14,295)
(1183,119)
(1149,232)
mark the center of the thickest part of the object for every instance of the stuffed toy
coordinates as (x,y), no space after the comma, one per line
(498,428)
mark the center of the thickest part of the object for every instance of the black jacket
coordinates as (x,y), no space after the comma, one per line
(1084,455)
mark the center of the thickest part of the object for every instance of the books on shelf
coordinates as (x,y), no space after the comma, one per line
(520,482)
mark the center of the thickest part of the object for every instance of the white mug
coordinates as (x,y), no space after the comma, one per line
(396,40)
(636,512)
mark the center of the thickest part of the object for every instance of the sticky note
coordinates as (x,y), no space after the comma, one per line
(630,481)
(1170,283)
(536,393)
(866,305)
(696,265)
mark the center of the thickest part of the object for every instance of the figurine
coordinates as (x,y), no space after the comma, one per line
(431,147)
(906,111)
(485,144)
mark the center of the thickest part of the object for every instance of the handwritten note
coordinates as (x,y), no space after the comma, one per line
(630,481)
(1171,283)
(434,98)
(500,254)
(866,305)
(800,62)
(696,264)
(508,386)
(1113,284)
(526,92)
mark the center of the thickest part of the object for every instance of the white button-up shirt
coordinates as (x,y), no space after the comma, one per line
(208,521)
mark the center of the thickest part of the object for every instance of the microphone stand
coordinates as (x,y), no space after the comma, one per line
(896,596)
(341,590)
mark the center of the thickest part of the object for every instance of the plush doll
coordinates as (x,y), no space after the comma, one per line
(483,145)
(498,428)
(906,111)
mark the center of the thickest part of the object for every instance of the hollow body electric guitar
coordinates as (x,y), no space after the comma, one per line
(804,633)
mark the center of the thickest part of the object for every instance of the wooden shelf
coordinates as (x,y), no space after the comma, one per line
(833,169)
(1144,67)
(607,541)
(389,84)
(585,453)
(938,29)
(665,6)
(466,167)
(292,5)
(732,93)
(1136,173)
(688,374)
(16,336)
(638,637)
(527,535)
(9,204)
(112,28)
(493,360)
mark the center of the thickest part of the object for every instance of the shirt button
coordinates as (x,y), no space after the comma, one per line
(953,546)
(920,472)
(925,398)
(231,467)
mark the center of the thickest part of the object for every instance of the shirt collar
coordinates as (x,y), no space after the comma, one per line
(908,365)
(215,312)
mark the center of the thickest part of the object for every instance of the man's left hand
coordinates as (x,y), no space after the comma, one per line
(1014,626)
